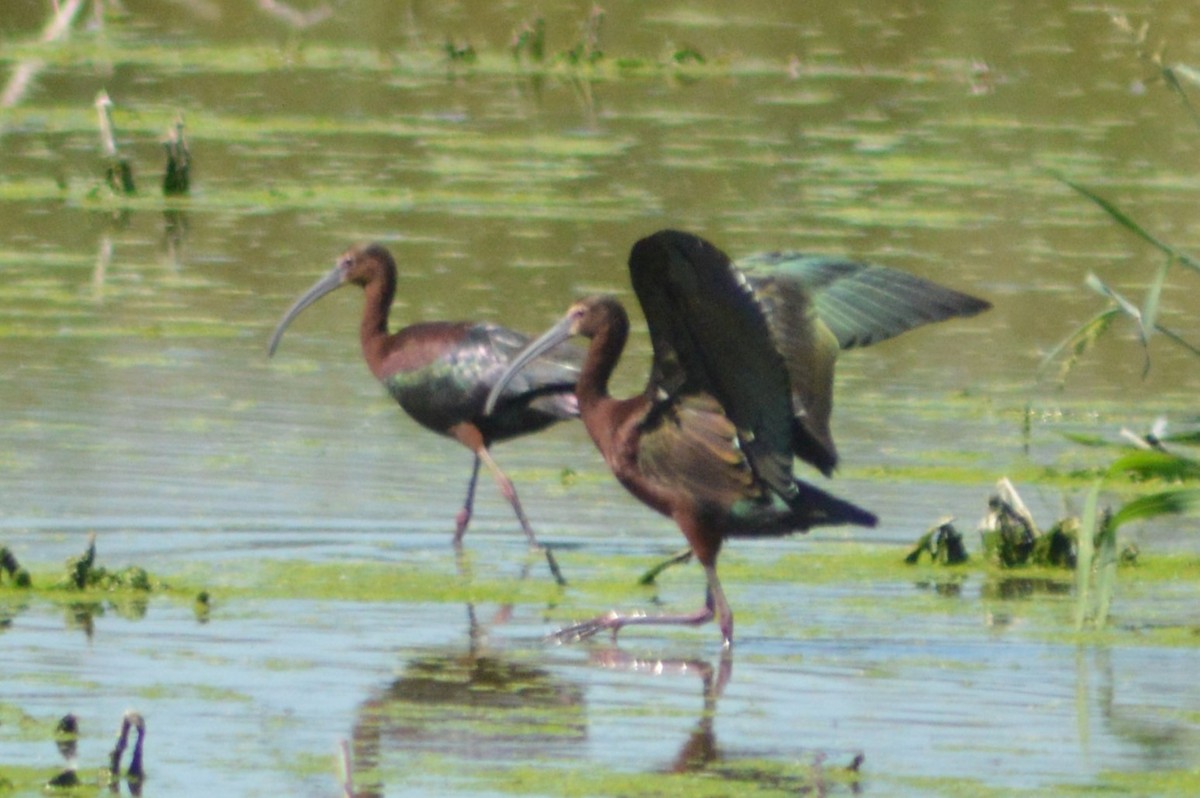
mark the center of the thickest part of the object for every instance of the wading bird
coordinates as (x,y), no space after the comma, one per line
(441,372)
(741,384)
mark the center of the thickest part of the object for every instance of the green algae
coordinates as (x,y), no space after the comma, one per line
(527,202)
(24,780)
(558,177)
(370,582)
(20,725)
(610,578)
(411,64)
(1163,783)
(754,777)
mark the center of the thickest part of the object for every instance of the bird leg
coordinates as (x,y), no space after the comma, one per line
(717,602)
(676,559)
(614,621)
(715,605)
(464,515)
(510,493)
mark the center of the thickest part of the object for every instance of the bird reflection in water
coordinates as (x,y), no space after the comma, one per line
(480,708)
(700,752)
(67,736)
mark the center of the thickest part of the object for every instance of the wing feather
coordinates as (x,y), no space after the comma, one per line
(710,335)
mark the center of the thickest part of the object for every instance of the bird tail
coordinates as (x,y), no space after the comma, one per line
(814,507)
(809,507)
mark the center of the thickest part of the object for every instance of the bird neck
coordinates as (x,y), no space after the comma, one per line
(373,332)
(611,423)
(601,360)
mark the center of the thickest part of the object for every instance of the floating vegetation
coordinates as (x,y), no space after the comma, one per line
(177,179)
(519,57)
(66,737)
(202,606)
(529,41)
(942,542)
(587,49)
(118,173)
(1011,538)
(83,573)
(10,568)
(460,53)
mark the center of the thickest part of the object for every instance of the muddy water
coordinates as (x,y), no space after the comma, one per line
(139,403)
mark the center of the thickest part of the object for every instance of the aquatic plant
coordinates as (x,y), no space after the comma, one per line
(1144,316)
(942,542)
(83,573)
(1097,555)
(9,565)
(1097,558)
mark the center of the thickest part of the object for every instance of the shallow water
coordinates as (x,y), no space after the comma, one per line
(140,405)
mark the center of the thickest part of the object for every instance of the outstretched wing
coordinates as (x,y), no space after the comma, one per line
(860,303)
(710,335)
(816,305)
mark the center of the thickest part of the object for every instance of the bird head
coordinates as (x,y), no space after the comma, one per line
(359,265)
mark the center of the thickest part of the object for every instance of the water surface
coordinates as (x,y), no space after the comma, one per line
(139,403)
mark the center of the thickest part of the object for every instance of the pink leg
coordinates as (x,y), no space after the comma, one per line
(464,515)
(716,600)
(715,605)
(510,493)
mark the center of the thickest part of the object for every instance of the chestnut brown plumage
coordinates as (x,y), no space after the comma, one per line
(441,372)
(741,384)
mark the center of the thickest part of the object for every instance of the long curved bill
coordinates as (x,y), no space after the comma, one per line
(320,288)
(544,343)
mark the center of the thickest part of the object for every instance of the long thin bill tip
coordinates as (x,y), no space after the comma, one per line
(547,341)
(330,282)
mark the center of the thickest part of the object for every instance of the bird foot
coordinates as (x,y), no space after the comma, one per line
(612,620)
(615,621)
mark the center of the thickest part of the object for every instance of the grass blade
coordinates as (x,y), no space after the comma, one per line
(1153,294)
(1153,464)
(1080,341)
(1106,569)
(1100,287)
(1180,501)
(1085,555)
(1190,74)
(1172,75)
(1129,224)
(1178,339)
(1133,311)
